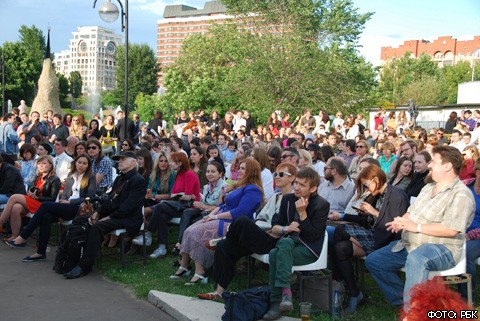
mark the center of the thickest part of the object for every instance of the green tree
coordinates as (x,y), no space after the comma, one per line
(64,90)
(23,64)
(425,91)
(148,104)
(303,63)
(401,72)
(76,83)
(142,72)
(453,76)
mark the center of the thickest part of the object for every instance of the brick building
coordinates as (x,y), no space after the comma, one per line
(445,50)
(179,22)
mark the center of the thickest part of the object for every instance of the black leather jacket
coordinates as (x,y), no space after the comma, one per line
(50,189)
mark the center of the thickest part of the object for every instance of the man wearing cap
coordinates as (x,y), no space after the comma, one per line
(125,211)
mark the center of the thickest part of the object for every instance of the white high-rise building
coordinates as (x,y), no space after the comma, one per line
(91,53)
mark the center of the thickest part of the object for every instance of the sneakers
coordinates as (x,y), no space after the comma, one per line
(160,252)
(286,305)
(139,239)
(354,302)
(273,313)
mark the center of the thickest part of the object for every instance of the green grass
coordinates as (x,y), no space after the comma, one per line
(155,276)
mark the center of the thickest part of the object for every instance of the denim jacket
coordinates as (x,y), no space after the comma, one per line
(8,139)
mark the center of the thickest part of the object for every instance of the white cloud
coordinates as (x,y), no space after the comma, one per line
(372,44)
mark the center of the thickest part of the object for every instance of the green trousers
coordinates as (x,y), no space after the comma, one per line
(287,253)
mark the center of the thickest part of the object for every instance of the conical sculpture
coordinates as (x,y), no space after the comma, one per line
(48,94)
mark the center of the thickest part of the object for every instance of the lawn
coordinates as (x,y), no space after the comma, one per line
(155,276)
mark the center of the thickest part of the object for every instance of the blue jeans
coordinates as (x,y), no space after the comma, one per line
(3,199)
(473,253)
(384,264)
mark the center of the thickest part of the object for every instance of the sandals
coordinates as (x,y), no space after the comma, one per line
(212,296)
(200,279)
(184,272)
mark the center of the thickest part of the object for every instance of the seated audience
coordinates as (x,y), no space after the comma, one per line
(243,198)
(362,149)
(125,212)
(403,173)
(383,205)
(11,182)
(432,230)
(79,185)
(470,156)
(198,164)
(28,165)
(46,186)
(102,166)
(388,160)
(244,237)
(145,162)
(261,156)
(187,188)
(159,188)
(473,234)
(303,229)
(212,192)
(421,163)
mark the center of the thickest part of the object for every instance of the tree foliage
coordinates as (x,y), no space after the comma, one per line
(142,72)
(76,83)
(422,80)
(64,90)
(301,55)
(23,64)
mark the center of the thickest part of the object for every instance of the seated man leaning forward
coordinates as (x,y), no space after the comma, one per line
(301,219)
(432,230)
(127,197)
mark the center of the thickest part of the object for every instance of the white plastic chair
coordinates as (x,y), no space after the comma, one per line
(456,275)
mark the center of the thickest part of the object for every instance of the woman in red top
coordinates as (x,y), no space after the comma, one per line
(46,186)
(186,190)
(470,155)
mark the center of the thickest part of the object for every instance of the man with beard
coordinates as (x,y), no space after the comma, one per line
(337,188)
(433,230)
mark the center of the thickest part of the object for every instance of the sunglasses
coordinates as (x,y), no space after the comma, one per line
(281,174)
(360,146)
(92,147)
(125,145)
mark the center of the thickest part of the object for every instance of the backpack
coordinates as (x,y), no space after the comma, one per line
(246,305)
(71,250)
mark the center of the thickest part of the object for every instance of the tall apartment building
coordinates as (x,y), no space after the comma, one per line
(445,50)
(91,52)
(179,22)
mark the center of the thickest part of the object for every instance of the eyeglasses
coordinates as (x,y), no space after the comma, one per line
(125,145)
(285,156)
(92,147)
(281,174)
(367,184)
(360,146)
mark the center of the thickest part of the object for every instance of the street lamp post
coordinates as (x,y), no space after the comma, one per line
(109,13)
(3,84)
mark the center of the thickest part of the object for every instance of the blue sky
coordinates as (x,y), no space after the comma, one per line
(394,21)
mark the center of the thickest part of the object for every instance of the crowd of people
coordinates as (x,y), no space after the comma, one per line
(398,194)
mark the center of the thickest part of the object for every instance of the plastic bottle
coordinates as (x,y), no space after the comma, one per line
(336,312)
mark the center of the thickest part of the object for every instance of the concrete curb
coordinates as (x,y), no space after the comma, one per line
(184,308)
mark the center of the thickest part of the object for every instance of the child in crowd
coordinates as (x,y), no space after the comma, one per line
(229,154)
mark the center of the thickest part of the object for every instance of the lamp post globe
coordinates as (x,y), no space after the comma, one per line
(108,12)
